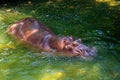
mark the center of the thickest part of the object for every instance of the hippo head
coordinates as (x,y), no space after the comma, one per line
(72,47)
(77,48)
(59,42)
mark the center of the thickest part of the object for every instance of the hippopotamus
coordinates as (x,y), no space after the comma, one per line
(38,35)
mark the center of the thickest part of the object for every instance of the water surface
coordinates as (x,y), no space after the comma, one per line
(96,22)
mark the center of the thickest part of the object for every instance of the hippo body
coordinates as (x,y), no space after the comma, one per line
(37,34)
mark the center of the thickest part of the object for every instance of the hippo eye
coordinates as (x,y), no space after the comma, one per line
(65,42)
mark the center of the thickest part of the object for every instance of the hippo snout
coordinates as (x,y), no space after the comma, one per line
(90,52)
(85,51)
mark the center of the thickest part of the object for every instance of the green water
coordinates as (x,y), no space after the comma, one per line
(96,22)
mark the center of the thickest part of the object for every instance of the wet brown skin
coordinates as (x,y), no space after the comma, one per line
(37,34)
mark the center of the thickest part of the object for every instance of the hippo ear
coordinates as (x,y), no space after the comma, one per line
(71,38)
(78,40)
(65,40)
(68,39)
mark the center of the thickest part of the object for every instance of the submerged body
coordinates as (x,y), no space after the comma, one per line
(37,34)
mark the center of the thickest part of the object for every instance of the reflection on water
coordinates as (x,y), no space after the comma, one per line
(20,63)
(110,2)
